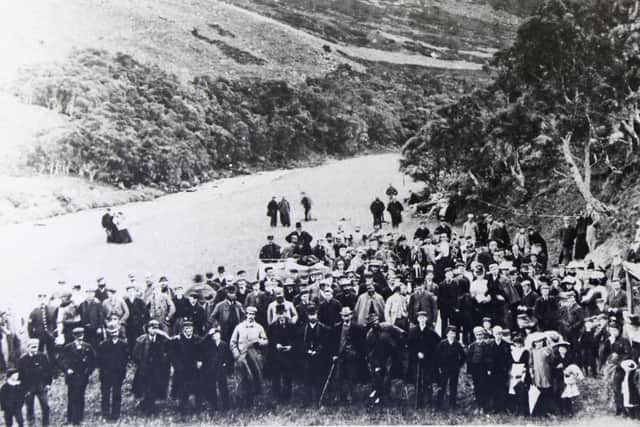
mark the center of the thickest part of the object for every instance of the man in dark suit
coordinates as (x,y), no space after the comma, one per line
(36,374)
(450,359)
(270,251)
(423,341)
(112,354)
(138,317)
(101,293)
(347,348)
(187,361)
(92,317)
(448,294)
(315,354)
(42,325)
(227,314)
(282,348)
(217,364)
(499,362)
(546,310)
(150,355)
(77,360)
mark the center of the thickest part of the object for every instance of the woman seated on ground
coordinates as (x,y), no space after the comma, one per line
(121,233)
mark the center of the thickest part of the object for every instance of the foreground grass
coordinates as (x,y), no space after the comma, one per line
(590,408)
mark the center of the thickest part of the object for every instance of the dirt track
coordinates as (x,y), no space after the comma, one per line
(223,223)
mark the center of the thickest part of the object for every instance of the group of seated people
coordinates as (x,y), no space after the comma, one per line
(384,307)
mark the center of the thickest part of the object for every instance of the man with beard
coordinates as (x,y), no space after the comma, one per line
(138,317)
(423,342)
(150,354)
(348,355)
(329,308)
(247,341)
(227,314)
(112,355)
(272,212)
(422,300)
(77,360)
(217,364)
(282,350)
(187,361)
(101,293)
(270,251)
(368,303)
(383,343)
(377,210)
(280,307)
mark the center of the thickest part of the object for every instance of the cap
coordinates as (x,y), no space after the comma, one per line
(187,323)
(447,269)
(421,313)
(11,371)
(130,287)
(312,309)
(298,225)
(112,330)
(452,328)
(78,331)
(486,319)
(251,310)
(345,311)
(478,330)
(230,289)
(76,287)
(153,323)
(562,343)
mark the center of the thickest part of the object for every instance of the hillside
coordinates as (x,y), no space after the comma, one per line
(351,77)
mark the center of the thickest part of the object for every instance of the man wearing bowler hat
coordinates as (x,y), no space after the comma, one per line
(112,355)
(423,341)
(77,360)
(187,361)
(217,364)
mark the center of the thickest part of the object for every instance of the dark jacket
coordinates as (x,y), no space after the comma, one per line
(92,314)
(152,366)
(35,371)
(42,320)
(82,361)
(185,353)
(546,311)
(223,317)
(450,357)
(499,359)
(112,360)
(217,360)
(426,342)
(11,398)
(138,316)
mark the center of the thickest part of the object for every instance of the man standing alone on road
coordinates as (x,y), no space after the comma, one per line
(285,212)
(306,204)
(377,210)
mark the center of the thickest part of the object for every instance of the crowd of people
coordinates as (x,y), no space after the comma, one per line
(422,308)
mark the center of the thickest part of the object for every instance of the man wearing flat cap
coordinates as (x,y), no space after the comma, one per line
(77,361)
(186,359)
(247,343)
(112,356)
(271,251)
(36,374)
(150,354)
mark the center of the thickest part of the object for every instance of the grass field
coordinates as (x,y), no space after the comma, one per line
(592,408)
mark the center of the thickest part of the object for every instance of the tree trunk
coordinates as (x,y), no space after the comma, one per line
(583,183)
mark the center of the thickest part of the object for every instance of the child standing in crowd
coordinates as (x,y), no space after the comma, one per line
(12,399)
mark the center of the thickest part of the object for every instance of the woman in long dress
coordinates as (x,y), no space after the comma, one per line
(122,233)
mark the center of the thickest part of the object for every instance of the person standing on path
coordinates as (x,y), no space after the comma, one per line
(285,212)
(395,209)
(272,212)
(306,204)
(377,210)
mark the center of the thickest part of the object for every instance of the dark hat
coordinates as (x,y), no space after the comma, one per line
(293,270)
(230,289)
(130,287)
(452,328)
(634,319)
(78,331)
(11,371)
(240,272)
(270,237)
(76,287)
(186,323)
(422,313)
(153,323)
(298,225)
(486,319)
(448,269)
(562,344)
(522,316)
(614,324)
(346,311)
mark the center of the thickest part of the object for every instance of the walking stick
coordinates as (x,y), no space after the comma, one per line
(326,383)
(417,384)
